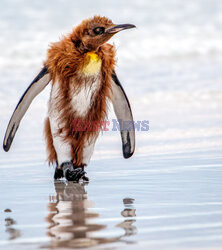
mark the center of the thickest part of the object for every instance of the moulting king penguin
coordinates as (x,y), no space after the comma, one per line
(81,68)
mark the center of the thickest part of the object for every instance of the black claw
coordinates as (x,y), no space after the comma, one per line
(58,174)
(85,178)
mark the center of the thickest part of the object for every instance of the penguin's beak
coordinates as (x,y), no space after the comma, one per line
(118,28)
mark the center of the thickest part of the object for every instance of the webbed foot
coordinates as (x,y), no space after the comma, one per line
(73,174)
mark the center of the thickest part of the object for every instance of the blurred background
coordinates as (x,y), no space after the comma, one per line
(170,67)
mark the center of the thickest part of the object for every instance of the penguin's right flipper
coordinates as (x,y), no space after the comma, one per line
(37,85)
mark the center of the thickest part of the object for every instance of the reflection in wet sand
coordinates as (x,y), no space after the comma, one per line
(71,223)
(129,211)
(9,225)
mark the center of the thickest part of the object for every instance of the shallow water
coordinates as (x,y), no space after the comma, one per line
(168,195)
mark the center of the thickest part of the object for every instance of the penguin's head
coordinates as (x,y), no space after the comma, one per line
(93,32)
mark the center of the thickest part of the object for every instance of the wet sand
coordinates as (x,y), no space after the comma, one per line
(168,195)
(155,202)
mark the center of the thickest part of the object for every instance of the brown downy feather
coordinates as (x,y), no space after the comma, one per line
(52,157)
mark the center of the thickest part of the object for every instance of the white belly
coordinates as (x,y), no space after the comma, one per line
(83,98)
(81,103)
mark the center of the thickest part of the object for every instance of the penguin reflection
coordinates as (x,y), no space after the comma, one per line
(128,212)
(69,218)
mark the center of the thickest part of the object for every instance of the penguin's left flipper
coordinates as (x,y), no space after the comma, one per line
(36,86)
(124,115)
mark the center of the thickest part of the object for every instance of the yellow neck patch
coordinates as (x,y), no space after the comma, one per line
(92,64)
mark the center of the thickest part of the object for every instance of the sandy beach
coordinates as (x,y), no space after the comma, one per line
(168,195)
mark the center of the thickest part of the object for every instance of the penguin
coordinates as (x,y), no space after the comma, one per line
(81,69)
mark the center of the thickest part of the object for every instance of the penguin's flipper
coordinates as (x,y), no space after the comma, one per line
(124,115)
(36,86)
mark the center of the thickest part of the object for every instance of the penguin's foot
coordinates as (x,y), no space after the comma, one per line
(71,173)
(58,173)
(74,175)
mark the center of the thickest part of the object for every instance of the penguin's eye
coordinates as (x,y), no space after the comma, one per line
(99,30)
